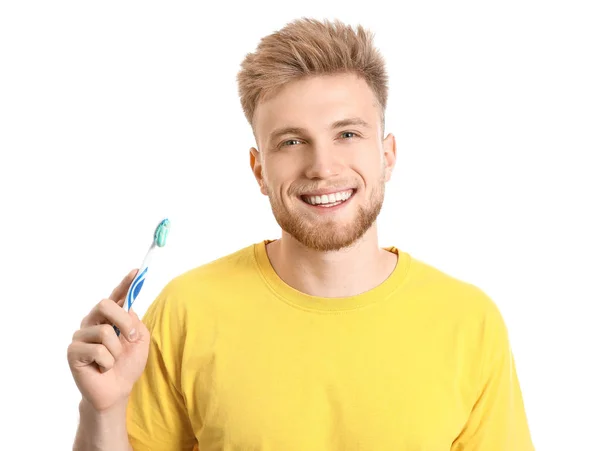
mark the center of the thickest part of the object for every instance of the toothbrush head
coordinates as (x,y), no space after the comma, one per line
(161,232)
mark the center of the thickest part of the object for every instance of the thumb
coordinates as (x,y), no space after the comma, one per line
(138,325)
(132,313)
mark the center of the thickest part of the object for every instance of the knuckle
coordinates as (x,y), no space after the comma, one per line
(106,332)
(70,352)
(104,305)
(100,352)
(106,357)
(73,352)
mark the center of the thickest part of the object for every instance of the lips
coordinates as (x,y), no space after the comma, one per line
(329,202)
(333,198)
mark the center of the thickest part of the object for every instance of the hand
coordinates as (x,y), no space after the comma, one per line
(105,366)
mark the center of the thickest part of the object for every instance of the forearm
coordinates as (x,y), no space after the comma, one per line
(102,431)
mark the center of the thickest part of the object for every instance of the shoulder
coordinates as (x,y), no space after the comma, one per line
(453,297)
(225,268)
(460,311)
(194,289)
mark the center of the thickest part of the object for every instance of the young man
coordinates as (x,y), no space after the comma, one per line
(320,340)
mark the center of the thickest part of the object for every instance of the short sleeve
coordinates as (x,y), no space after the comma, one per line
(157,417)
(497,421)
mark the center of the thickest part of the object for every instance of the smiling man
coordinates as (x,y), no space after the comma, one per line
(319,340)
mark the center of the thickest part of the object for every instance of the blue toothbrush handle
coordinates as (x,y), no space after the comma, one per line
(133,292)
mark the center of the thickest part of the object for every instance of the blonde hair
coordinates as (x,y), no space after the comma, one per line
(307,47)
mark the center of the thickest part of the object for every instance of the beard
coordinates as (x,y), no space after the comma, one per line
(328,234)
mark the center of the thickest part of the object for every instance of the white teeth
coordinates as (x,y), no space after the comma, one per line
(328,198)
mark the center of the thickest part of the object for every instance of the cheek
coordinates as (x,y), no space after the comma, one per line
(369,166)
(279,171)
(273,181)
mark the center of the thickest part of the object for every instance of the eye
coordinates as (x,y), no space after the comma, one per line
(348,135)
(289,142)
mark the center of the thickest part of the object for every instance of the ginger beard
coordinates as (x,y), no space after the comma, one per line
(327,234)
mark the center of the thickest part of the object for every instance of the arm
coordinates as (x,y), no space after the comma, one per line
(497,421)
(101,430)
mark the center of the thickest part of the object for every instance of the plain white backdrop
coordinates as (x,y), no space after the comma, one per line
(116,114)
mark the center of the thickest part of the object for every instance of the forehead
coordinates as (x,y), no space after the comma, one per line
(315,102)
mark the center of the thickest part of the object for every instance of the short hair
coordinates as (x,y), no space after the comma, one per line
(308,47)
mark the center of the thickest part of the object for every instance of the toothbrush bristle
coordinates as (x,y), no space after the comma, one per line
(161,232)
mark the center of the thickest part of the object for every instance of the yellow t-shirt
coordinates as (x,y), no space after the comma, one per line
(241,361)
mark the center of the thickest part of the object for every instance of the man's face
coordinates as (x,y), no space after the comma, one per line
(322,160)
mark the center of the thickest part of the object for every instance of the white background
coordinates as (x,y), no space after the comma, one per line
(115,114)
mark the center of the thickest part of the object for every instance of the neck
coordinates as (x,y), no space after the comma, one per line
(347,272)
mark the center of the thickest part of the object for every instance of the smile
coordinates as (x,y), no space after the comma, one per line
(328,200)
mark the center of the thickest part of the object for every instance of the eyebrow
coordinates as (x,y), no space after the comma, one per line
(356,121)
(350,121)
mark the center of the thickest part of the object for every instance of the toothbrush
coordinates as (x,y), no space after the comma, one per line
(160,239)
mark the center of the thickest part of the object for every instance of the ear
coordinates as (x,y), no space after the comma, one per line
(256,166)
(389,155)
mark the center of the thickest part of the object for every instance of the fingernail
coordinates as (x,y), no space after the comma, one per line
(132,335)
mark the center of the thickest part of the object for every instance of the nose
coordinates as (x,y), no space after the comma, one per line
(322,162)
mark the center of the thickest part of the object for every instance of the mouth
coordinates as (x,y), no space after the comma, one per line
(328,200)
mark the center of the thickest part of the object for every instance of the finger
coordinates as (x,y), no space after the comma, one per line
(121,290)
(136,318)
(108,312)
(84,354)
(101,334)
